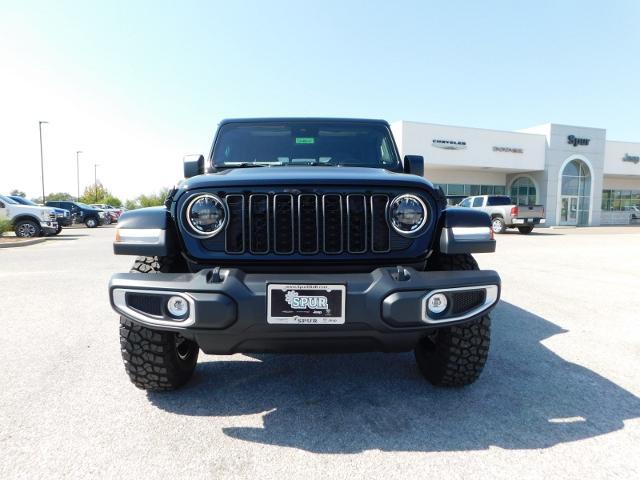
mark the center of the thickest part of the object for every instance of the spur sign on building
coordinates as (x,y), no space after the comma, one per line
(575,141)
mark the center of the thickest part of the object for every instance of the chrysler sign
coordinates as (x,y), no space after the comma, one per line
(449,144)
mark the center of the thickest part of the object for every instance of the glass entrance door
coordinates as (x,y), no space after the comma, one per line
(569,210)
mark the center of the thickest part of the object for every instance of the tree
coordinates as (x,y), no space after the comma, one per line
(99,194)
(56,197)
(18,193)
(152,200)
(130,205)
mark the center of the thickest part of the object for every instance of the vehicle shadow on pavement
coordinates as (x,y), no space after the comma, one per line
(528,397)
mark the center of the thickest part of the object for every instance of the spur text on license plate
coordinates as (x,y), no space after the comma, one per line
(305,304)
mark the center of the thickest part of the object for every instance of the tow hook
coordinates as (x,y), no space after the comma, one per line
(401,274)
(213,275)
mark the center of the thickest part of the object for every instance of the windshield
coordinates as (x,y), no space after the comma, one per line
(23,201)
(8,200)
(304,144)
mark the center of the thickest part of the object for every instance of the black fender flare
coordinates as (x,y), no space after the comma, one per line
(146,232)
(466,231)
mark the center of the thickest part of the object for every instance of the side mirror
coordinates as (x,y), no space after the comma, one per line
(414,164)
(193,165)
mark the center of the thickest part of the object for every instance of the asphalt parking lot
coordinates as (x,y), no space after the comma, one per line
(559,398)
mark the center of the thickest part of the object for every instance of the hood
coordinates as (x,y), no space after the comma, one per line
(31,209)
(237,177)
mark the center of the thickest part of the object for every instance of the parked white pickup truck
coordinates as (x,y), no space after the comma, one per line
(28,220)
(506,214)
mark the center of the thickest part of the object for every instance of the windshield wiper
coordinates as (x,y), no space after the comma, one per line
(241,165)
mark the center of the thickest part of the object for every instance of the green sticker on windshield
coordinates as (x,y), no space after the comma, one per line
(305,140)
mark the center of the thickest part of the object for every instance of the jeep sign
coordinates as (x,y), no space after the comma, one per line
(631,158)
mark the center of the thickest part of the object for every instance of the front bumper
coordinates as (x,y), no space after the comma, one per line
(49,227)
(384,309)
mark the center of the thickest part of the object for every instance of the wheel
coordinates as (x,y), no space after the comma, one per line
(156,360)
(58,230)
(497,225)
(454,356)
(91,222)
(525,230)
(107,220)
(27,228)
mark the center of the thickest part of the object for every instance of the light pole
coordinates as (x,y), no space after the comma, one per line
(41,159)
(95,180)
(78,152)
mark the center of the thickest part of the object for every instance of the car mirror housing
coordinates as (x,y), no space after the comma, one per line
(193,165)
(414,164)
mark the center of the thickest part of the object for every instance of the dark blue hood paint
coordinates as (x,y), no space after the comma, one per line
(312,175)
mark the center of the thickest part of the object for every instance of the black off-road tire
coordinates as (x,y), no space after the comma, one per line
(156,360)
(525,230)
(439,262)
(58,230)
(153,359)
(498,225)
(454,356)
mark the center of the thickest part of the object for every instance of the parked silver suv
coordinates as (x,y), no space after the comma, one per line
(506,214)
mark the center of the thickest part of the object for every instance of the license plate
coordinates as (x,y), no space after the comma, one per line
(305,304)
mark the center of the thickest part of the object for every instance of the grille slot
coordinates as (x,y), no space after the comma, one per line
(259,223)
(380,234)
(308,231)
(234,233)
(332,223)
(357,223)
(283,223)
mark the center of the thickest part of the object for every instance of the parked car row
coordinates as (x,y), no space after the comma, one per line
(31,220)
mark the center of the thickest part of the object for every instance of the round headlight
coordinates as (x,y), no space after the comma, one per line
(408,214)
(206,215)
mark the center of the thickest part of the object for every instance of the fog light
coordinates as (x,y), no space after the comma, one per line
(178,306)
(437,303)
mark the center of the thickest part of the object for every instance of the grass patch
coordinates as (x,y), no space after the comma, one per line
(5,226)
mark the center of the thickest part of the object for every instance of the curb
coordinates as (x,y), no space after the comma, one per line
(23,243)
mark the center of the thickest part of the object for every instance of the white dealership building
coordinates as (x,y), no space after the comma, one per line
(575,172)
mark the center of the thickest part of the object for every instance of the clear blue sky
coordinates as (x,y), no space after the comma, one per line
(167,72)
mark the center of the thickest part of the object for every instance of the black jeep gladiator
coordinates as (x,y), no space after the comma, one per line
(303,235)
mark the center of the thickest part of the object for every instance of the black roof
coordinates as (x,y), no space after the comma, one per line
(305,119)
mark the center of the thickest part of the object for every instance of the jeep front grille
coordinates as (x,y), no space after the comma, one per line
(307,223)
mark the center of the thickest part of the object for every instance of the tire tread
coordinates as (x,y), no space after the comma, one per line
(457,355)
(150,357)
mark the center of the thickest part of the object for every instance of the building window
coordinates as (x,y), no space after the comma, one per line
(523,191)
(456,192)
(620,200)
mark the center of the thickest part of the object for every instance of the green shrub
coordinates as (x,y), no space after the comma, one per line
(5,226)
